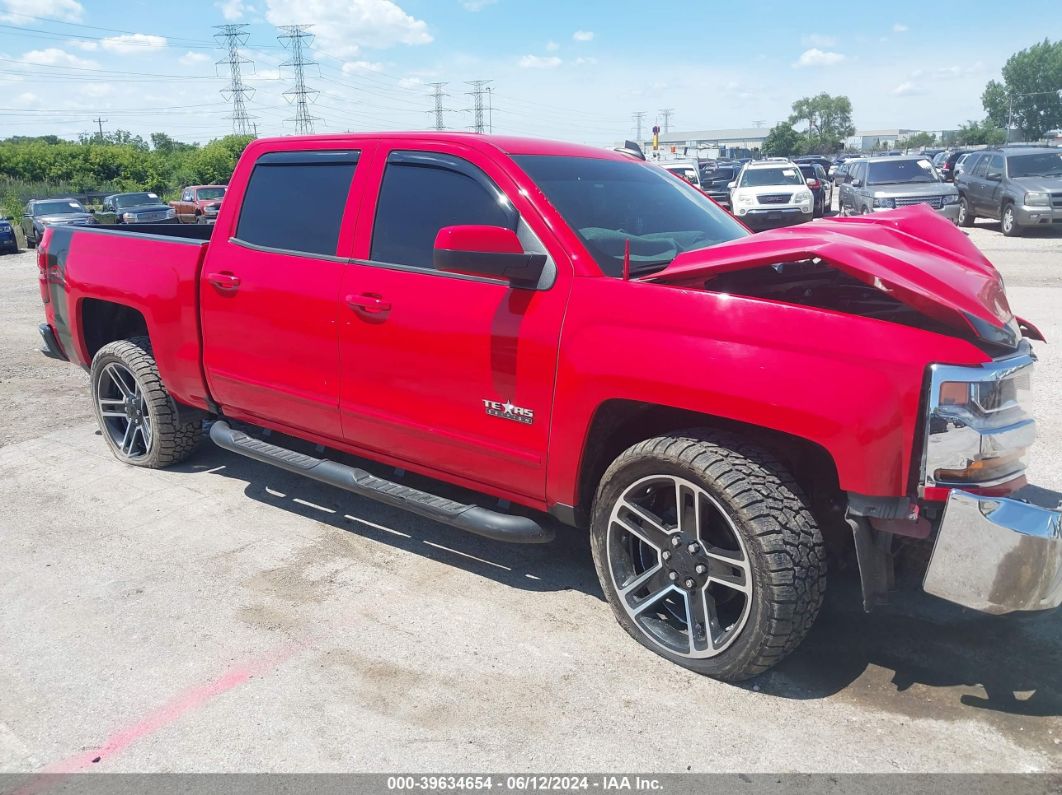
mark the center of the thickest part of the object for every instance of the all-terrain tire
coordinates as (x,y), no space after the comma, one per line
(765,506)
(172,438)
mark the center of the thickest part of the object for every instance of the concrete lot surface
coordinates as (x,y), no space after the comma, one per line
(226,616)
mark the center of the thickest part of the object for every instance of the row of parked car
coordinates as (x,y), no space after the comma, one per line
(199,204)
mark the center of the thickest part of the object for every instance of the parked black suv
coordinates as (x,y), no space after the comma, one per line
(41,213)
(1022,187)
(714,181)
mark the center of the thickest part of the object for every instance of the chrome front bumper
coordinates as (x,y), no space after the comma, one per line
(999,554)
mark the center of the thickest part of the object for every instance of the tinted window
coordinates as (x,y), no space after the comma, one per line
(995,167)
(296,204)
(893,171)
(421,193)
(1047,164)
(981,167)
(58,207)
(610,203)
(767,177)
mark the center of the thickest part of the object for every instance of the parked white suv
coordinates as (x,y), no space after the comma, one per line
(769,193)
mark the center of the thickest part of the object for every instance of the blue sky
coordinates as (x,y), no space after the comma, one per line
(574,70)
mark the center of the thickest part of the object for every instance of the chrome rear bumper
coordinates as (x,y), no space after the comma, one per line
(999,554)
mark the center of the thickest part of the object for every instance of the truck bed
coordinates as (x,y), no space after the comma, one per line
(150,270)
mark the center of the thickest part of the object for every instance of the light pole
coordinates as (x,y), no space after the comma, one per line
(1010,105)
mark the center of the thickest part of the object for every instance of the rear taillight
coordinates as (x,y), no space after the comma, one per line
(42,271)
(813,183)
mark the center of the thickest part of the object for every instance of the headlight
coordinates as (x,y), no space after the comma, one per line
(885,203)
(171,213)
(1038,198)
(949,198)
(746,198)
(803,196)
(977,432)
(129,217)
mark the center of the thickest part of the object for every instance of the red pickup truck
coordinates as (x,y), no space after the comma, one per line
(564,330)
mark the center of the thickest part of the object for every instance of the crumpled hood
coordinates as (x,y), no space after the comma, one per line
(912,254)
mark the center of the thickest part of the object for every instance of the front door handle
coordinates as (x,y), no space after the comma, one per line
(368,302)
(225,281)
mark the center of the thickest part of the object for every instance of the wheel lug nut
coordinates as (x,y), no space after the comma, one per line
(701,568)
(690,582)
(693,548)
(666,554)
(676,541)
(672,575)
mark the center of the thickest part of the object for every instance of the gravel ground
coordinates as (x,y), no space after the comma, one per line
(225,616)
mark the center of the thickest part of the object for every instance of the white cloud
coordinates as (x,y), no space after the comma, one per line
(818,40)
(899,27)
(98,89)
(540,62)
(53,56)
(586,61)
(20,12)
(83,44)
(361,67)
(552,46)
(27,98)
(908,89)
(583,35)
(133,43)
(410,82)
(477,5)
(233,10)
(343,27)
(817,57)
(192,58)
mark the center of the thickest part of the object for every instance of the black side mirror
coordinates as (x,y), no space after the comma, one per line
(490,251)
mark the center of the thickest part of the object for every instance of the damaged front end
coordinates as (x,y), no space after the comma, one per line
(996,542)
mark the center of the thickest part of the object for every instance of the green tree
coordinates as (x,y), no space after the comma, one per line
(827,121)
(973,133)
(919,139)
(1030,96)
(781,141)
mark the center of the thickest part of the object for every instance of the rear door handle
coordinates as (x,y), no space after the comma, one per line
(224,280)
(368,302)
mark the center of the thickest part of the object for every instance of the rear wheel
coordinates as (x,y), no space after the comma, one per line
(707,553)
(137,416)
(966,215)
(1009,223)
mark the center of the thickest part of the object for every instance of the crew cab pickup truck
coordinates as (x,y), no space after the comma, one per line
(568,336)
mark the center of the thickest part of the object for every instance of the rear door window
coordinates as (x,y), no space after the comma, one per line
(295,201)
(421,193)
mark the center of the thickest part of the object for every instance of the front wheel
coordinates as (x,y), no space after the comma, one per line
(137,416)
(1009,223)
(707,553)
(966,215)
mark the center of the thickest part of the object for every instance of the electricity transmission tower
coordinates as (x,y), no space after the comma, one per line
(297,38)
(479,88)
(231,38)
(667,113)
(639,117)
(438,95)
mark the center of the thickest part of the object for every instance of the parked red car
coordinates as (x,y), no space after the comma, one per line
(577,333)
(196,204)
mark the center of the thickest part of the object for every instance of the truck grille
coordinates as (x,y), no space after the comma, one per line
(151,216)
(1056,201)
(933,201)
(774,198)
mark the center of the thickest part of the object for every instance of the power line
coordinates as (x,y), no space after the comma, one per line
(639,117)
(297,38)
(437,95)
(667,113)
(479,88)
(231,37)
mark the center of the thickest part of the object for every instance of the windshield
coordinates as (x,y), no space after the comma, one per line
(210,193)
(610,202)
(766,177)
(719,175)
(1044,164)
(809,172)
(134,199)
(888,172)
(58,207)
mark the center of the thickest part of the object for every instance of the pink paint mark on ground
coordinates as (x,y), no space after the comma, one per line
(178,706)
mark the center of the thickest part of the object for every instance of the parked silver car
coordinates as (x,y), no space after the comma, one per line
(885,183)
(1021,186)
